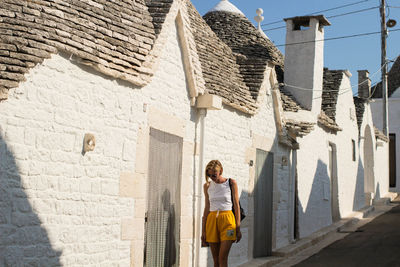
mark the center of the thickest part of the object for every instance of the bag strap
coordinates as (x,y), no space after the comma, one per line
(230,186)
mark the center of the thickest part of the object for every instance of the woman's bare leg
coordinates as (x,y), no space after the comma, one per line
(224,252)
(215,247)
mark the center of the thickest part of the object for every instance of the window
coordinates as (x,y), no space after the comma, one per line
(353,144)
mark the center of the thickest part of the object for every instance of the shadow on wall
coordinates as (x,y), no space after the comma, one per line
(359,197)
(318,211)
(161,239)
(377,191)
(23,241)
(170,239)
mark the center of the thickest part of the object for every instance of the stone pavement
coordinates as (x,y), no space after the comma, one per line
(305,248)
(374,244)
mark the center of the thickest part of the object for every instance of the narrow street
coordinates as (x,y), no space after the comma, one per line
(374,244)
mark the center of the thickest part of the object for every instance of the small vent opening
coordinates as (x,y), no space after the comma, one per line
(301,25)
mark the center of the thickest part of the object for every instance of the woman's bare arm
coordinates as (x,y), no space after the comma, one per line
(206,208)
(236,209)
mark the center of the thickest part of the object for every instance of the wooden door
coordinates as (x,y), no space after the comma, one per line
(263,197)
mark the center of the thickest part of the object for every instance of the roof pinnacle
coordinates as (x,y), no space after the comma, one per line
(259,18)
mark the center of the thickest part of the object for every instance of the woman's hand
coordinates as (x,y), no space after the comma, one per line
(238,235)
(203,240)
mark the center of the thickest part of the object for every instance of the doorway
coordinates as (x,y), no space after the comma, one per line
(263,198)
(369,178)
(333,183)
(163,194)
(392,160)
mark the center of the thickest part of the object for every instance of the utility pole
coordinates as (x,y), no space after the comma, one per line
(384,69)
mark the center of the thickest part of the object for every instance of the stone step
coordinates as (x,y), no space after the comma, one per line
(263,262)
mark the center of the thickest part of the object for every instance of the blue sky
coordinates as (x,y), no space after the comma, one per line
(353,54)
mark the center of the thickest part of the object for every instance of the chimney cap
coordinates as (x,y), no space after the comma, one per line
(321,18)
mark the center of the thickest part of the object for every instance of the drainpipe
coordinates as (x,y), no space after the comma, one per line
(197,199)
(203,103)
(292,192)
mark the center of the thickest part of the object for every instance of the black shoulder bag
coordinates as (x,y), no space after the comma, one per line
(242,215)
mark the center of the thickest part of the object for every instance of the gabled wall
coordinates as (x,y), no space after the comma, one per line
(314,179)
(89,209)
(347,167)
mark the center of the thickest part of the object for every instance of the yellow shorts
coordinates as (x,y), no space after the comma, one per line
(220,226)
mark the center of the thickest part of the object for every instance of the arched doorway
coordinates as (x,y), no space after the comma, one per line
(369,179)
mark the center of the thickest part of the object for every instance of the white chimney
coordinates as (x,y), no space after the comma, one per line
(304,59)
(364,84)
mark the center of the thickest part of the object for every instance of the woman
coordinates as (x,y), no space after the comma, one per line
(220,226)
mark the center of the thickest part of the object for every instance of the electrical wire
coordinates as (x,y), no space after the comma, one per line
(334,16)
(343,90)
(336,38)
(330,9)
(353,12)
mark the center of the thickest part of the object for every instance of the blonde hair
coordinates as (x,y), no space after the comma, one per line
(213,165)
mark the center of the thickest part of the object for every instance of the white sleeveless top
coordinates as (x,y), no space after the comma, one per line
(220,196)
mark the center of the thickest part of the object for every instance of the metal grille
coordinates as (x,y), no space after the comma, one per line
(163,208)
(263,204)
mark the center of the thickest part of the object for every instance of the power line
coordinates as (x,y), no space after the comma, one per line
(330,9)
(336,38)
(353,12)
(334,16)
(345,90)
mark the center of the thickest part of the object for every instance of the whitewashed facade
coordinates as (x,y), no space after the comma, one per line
(394,128)
(60,205)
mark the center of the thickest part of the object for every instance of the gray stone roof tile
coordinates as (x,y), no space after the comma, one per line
(113,37)
(253,51)
(380,135)
(359,103)
(393,81)
(221,71)
(299,128)
(326,122)
(330,92)
(288,102)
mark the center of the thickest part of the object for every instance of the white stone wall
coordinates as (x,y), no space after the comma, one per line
(227,137)
(70,203)
(313,178)
(394,127)
(232,137)
(58,206)
(347,168)
(382,170)
(381,159)
(313,167)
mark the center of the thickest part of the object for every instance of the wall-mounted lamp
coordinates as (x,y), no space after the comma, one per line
(284,161)
(89,142)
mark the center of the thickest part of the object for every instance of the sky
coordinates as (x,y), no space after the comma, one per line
(358,53)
